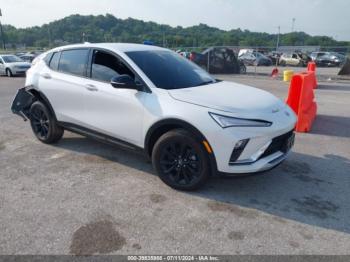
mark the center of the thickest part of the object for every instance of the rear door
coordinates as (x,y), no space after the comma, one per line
(113,111)
(62,83)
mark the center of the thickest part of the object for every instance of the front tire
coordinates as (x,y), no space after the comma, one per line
(242,69)
(180,160)
(9,72)
(44,125)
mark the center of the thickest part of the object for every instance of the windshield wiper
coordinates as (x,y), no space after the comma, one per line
(206,83)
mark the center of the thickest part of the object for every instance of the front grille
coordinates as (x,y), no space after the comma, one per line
(280,143)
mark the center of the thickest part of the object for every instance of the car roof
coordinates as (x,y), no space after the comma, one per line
(123,47)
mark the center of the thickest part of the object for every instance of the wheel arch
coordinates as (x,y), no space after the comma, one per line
(42,98)
(161,127)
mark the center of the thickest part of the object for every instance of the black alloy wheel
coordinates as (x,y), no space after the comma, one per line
(40,123)
(180,160)
(43,124)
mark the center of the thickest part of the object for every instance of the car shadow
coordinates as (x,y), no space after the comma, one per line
(331,126)
(121,155)
(307,189)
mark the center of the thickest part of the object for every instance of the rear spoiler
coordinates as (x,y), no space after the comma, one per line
(22,102)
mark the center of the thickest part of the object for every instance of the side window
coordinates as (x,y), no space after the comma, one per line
(106,66)
(54,61)
(74,61)
(47,58)
(295,56)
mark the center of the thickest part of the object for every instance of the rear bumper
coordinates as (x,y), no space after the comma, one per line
(22,102)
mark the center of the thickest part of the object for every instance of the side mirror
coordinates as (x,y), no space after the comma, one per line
(125,82)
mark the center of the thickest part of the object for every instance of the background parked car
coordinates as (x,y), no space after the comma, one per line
(294,59)
(11,65)
(328,58)
(327,61)
(184,53)
(315,55)
(341,57)
(275,57)
(255,59)
(27,57)
(221,61)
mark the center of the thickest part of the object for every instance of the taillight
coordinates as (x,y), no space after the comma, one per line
(192,56)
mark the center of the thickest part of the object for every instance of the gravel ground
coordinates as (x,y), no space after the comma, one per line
(84,197)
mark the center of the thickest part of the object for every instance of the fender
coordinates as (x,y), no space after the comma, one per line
(41,97)
(162,126)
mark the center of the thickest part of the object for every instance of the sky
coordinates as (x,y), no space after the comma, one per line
(315,17)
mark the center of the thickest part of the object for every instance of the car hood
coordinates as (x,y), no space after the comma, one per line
(230,97)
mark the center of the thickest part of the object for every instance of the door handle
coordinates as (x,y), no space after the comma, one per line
(91,87)
(46,76)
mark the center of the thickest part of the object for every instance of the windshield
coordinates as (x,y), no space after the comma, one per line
(11,59)
(168,70)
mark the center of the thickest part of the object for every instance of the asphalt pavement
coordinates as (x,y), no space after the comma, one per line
(84,197)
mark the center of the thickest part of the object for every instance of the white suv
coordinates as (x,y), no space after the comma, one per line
(152,99)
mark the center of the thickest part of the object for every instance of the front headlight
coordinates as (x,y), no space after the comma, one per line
(228,121)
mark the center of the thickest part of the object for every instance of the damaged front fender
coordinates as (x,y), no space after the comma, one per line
(22,102)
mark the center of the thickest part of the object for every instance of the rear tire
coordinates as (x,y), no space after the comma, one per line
(9,72)
(180,160)
(242,69)
(44,125)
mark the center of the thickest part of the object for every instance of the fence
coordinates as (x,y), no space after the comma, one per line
(255,59)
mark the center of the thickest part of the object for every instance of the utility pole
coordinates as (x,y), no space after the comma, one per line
(293,24)
(2,33)
(278,38)
(49,33)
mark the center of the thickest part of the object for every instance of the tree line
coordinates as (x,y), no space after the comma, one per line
(107,28)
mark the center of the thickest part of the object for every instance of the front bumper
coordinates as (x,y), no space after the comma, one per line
(19,71)
(267,146)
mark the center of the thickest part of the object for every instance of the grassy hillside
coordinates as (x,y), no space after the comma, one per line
(77,28)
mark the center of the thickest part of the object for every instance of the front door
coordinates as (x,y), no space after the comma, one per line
(113,111)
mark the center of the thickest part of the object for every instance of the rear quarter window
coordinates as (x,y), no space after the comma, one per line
(47,58)
(54,61)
